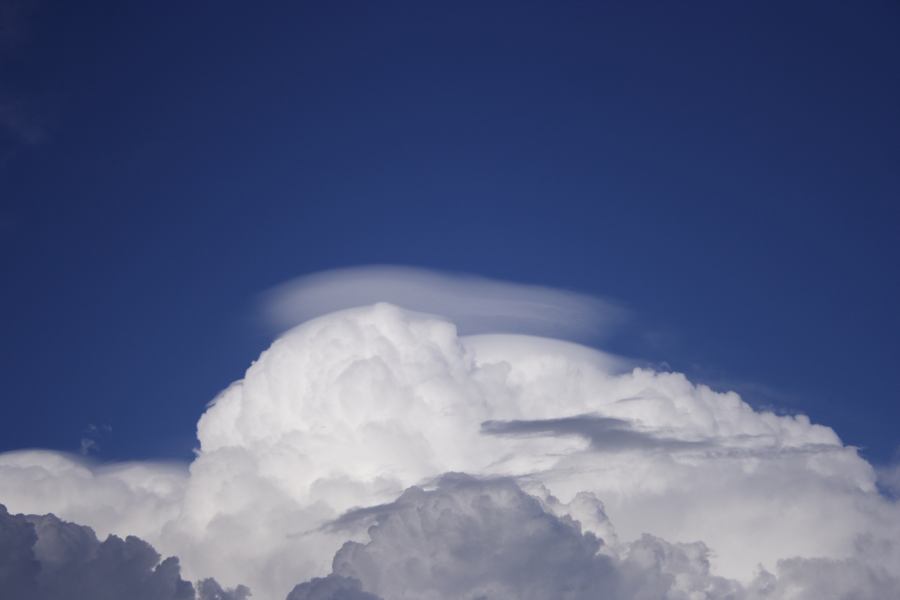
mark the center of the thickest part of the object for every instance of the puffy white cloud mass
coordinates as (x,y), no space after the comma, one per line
(343,413)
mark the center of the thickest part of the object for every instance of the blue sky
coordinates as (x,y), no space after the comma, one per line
(728,171)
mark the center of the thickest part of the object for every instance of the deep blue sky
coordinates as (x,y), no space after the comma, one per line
(729,170)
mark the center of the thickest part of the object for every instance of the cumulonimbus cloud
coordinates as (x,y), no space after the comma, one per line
(350,409)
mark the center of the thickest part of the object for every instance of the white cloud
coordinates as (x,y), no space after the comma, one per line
(125,498)
(474,304)
(350,409)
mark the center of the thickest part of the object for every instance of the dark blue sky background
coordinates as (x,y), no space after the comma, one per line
(729,170)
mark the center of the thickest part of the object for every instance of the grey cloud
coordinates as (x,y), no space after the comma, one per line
(604,433)
(44,558)
(825,579)
(487,539)
(607,434)
(209,589)
(470,539)
(67,561)
(333,587)
(474,304)
(465,539)
(18,566)
(358,519)
(354,517)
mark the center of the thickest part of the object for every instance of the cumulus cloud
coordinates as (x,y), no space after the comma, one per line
(333,587)
(343,413)
(474,304)
(125,498)
(209,589)
(470,538)
(18,566)
(826,579)
(44,558)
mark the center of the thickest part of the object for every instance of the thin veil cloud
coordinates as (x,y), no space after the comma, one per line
(474,304)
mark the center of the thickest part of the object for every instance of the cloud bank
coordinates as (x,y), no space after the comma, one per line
(323,465)
(470,538)
(44,558)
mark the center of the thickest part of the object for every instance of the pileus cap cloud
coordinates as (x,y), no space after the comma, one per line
(474,304)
